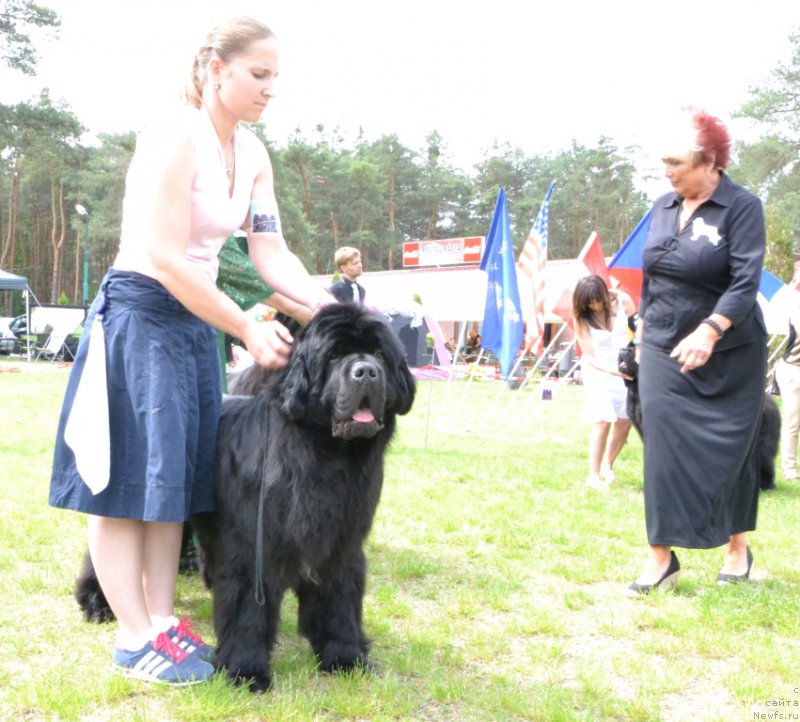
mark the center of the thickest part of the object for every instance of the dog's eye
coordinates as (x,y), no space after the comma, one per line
(338,351)
(378,354)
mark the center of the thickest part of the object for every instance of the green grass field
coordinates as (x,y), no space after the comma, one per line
(495,589)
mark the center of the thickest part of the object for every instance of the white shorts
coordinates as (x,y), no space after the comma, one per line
(606,404)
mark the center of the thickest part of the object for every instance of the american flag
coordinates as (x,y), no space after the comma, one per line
(532,262)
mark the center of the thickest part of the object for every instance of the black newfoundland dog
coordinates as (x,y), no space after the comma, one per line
(298,476)
(769,431)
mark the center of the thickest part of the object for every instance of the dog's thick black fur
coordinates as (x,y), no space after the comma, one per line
(324,478)
(298,476)
(769,430)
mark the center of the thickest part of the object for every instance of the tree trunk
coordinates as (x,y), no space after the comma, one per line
(334,222)
(7,258)
(392,202)
(57,234)
(304,180)
(431,229)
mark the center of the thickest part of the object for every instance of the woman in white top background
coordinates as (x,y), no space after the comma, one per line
(601,327)
(196,177)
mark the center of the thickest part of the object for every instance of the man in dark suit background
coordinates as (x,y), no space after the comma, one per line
(347,288)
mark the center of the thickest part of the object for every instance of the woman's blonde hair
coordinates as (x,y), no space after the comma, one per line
(226,41)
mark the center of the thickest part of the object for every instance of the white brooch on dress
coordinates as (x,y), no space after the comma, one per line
(700,228)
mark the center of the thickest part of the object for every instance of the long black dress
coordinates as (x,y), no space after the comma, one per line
(700,428)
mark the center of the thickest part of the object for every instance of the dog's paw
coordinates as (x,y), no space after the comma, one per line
(259,684)
(256,678)
(94,606)
(339,657)
(98,615)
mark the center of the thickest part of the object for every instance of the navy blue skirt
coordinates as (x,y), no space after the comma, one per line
(163,382)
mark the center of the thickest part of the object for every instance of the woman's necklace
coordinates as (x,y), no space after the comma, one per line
(229,168)
(224,159)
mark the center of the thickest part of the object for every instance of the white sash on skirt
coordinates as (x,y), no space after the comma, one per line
(87,429)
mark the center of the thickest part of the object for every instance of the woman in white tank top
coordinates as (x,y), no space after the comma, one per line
(195,178)
(601,327)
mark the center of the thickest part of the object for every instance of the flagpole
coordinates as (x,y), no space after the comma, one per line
(778,349)
(532,261)
(539,360)
(470,374)
(428,420)
(502,329)
(528,377)
(452,373)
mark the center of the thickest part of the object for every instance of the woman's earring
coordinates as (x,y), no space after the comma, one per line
(216,85)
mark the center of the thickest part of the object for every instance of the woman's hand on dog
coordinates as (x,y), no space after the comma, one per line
(270,343)
(326,299)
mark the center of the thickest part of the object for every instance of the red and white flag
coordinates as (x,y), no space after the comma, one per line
(591,256)
(589,261)
(533,263)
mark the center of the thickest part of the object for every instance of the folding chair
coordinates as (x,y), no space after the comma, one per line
(54,348)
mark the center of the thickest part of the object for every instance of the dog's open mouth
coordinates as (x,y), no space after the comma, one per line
(361,424)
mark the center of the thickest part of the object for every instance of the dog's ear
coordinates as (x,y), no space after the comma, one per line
(401,383)
(403,388)
(295,384)
(292,324)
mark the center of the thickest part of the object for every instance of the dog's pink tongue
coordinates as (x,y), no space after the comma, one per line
(363,416)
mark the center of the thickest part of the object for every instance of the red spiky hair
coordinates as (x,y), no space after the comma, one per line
(712,137)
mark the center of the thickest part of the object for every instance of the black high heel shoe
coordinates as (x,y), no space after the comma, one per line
(667,581)
(734,578)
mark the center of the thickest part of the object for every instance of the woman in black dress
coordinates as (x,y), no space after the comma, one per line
(702,360)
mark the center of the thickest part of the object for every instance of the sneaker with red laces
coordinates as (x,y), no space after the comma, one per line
(189,641)
(162,661)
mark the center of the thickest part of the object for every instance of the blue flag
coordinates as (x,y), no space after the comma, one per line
(777,300)
(502,317)
(630,254)
(770,285)
(626,266)
(774,296)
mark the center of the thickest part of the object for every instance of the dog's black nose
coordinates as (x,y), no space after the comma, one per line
(364,372)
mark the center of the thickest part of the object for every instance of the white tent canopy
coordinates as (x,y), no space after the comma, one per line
(12,282)
(450,293)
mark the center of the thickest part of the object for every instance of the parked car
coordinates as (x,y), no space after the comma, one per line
(7,338)
(19,326)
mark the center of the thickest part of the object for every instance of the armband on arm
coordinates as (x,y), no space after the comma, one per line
(264,217)
(633,321)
